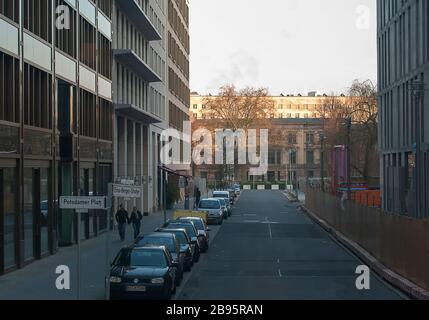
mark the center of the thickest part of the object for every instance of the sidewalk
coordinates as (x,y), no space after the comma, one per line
(37,281)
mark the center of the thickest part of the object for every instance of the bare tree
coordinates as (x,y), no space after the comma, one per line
(361,106)
(238,110)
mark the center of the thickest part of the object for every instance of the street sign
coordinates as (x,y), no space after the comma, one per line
(83,203)
(126,191)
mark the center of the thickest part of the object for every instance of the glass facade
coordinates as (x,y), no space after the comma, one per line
(8,212)
(28,213)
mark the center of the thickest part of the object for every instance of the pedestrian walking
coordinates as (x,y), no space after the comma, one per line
(122,219)
(197,197)
(136,219)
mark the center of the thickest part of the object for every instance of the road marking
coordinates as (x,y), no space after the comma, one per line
(269,228)
(252,221)
(280,274)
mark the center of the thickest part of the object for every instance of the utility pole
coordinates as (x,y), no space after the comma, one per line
(322,160)
(349,127)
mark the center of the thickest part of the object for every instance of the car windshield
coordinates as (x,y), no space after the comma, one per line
(198,224)
(181,237)
(141,258)
(221,195)
(187,226)
(222,202)
(159,241)
(209,204)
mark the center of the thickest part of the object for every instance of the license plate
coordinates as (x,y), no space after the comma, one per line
(136,289)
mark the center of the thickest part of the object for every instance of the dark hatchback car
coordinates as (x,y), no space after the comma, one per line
(192,232)
(143,272)
(186,246)
(202,229)
(169,241)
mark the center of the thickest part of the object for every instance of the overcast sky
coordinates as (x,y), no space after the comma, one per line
(288,46)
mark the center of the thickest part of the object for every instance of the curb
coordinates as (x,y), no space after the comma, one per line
(390,276)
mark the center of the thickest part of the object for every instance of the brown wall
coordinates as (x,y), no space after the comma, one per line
(399,242)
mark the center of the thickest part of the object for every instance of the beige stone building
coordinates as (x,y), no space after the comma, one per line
(297,155)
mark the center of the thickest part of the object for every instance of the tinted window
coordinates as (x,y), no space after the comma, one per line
(141,258)
(209,204)
(159,241)
(199,224)
(188,227)
(181,237)
(221,195)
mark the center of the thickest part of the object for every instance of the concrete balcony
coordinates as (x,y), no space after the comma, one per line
(135,13)
(133,112)
(136,64)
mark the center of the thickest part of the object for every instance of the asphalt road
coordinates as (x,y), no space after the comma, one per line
(268,249)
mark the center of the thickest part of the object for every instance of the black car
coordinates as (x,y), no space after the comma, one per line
(192,232)
(143,272)
(202,229)
(186,246)
(169,241)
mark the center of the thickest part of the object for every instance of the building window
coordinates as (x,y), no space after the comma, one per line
(106,125)
(310,157)
(37,18)
(10,9)
(9,88)
(104,57)
(87,114)
(292,138)
(37,98)
(292,157)
(65,39)
(87,43)
(309,138)
(8,193)
(297,115)
(195,106)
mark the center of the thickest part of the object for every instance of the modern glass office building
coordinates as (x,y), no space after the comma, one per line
(56,122)
(403,79)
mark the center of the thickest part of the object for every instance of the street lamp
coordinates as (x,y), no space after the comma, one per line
(348,124)
(322,160)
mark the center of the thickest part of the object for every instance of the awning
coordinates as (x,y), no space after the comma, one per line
(129,58)
(173,172)
(132,10)
(133,112)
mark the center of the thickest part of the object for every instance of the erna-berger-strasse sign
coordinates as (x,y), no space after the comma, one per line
(77,203)
(126,191)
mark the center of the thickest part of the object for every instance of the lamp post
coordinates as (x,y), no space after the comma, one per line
(322,160)
(349,127)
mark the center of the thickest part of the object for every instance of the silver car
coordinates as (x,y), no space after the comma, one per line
(214,209)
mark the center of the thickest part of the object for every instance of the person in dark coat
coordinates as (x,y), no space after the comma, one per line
(136,219)
(122,219)
(197,197)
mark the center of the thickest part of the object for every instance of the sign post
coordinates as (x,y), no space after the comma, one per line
(82,205)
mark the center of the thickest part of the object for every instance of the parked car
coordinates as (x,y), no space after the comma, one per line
(203,231)
(224,195)
(192,232)
(143,272)
(213,208)
(223,204)
(186,246)
(237,189)
(170,241)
